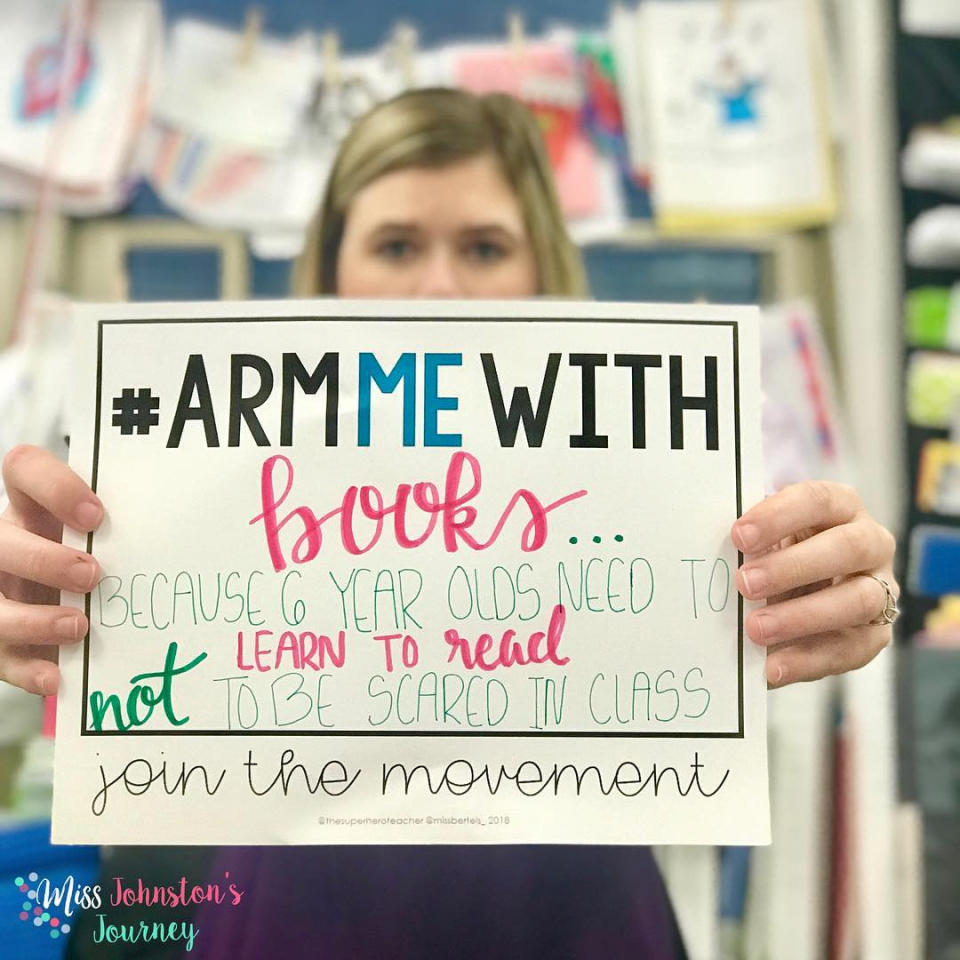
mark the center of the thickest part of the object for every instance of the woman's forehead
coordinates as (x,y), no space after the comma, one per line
(470,192)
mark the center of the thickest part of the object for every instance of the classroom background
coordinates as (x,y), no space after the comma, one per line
(799,154)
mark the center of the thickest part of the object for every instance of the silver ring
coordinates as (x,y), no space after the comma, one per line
(890,609)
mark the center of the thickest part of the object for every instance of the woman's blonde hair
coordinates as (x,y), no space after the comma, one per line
(437,126)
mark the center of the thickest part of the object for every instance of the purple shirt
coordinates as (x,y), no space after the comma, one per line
(401,902)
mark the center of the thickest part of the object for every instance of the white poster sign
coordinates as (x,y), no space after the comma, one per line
(384,572)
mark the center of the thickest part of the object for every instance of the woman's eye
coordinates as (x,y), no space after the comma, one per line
(396,250)
(485,251)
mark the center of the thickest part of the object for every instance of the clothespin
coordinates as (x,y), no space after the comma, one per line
(252,29)
(516,33)
(330,46)
(405,43)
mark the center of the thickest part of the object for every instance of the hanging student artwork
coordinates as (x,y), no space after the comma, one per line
(737,110)
(396,572)
(544,75)
(110,59)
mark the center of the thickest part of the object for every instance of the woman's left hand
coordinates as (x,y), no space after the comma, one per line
(812,552)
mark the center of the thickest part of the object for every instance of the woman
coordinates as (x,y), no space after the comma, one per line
(443,194)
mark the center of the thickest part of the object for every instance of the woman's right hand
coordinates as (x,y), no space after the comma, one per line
(44,495)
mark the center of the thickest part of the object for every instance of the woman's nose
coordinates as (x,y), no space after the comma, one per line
(438,277)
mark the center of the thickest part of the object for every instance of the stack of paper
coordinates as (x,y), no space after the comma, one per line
(934,17)
(86,144)
(931,159)
(933,239)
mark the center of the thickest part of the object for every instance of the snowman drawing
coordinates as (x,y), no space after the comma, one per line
(735,93)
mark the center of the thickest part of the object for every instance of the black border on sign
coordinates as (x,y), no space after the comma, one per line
(641,735)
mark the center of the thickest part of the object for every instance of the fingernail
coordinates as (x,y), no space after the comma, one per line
(83,575)
(747,536)
(88,515)
(754,581)
(764,627)
(67,628)
(774,674)
(44,685)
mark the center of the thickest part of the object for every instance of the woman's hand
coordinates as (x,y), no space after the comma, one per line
(811,552)
(44,495)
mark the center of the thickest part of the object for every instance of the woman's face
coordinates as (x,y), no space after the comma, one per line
(452,231)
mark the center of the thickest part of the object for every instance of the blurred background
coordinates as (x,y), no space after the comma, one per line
(800,154)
